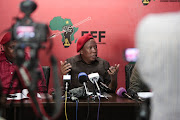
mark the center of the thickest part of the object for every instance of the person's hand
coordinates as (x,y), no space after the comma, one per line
(113,70)
(65,67)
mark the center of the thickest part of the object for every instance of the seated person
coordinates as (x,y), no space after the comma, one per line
(136,83)
(7,68)
(88,62)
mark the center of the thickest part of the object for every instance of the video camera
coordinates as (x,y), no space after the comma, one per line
(28,34)
(27,31)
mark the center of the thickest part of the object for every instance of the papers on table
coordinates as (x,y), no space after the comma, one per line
(145,94)
(19,96)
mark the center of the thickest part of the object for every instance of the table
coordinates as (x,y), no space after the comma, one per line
(113,108)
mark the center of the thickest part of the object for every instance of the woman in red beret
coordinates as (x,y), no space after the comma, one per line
(88,62)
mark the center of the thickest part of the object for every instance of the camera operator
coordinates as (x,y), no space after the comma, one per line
(10,81)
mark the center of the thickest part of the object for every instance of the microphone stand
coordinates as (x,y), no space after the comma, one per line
(94,93)
(85,88)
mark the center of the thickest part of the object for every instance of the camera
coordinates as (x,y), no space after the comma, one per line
(27,31)
(28,34)
(131,54)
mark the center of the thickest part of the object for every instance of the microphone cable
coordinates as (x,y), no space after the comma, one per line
(98,106)
(88,109)
(76,108)
(73,98)
(65,105)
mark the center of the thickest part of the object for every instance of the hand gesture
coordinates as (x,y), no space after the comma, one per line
(113,70)
(65,67)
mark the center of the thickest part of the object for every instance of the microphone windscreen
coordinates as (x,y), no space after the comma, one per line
(120,91)
(77,92)
(82,76)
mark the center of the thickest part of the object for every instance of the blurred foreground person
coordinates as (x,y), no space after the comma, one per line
(158,40)
(8,66)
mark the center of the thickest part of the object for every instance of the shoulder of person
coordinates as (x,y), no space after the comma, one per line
(103,61)
(73,58)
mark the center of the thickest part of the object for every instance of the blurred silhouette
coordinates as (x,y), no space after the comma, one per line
(158,40)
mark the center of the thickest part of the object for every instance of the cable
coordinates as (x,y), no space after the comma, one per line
(98,107)
(76,108)
(88,109)
(65,105)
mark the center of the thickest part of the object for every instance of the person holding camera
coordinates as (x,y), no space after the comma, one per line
(10,82)
(88,62)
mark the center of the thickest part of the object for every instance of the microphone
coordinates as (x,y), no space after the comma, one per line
(82,76)
(103,85)
(134,95)
(122,93)
(67,80)
(94,77)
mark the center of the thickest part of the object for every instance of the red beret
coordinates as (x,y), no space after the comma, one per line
(82,40)
(6,38)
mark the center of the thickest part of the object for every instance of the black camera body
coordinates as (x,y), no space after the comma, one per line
(31,32)
(28,34)
(27,31)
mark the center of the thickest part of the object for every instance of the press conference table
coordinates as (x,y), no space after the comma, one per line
(113,108)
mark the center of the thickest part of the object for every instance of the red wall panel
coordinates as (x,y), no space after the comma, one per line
(118,18)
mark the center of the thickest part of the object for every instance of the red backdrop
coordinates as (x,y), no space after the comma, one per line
(118,18)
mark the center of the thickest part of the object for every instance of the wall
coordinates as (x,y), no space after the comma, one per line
(118,18)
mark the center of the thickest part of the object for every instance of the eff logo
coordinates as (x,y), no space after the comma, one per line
(66,28)
(145,2)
